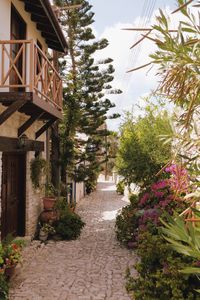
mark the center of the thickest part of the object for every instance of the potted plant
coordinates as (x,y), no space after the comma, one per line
(49,199)
(12,256)
(45,231)
(2,265)
(38,167)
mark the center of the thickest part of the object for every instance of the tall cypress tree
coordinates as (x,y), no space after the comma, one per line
(85,102)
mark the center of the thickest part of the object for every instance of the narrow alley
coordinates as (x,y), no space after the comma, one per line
(90,268)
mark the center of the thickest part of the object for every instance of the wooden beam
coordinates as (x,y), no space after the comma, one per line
(52,43)
(12,144)
(32,3)
(34,103)
(36,9)
(8,97)
(11,110)
(41,19)
(44,128)
(48,35)
(29,122)
(47,107)
(44,28)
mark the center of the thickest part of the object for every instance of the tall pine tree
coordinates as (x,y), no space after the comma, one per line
(85,102)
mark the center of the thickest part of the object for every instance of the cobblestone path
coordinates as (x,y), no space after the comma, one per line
(90,268)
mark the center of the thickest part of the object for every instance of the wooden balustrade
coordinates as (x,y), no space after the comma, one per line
(25,67)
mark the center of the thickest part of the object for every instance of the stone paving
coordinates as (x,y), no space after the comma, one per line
(90,268)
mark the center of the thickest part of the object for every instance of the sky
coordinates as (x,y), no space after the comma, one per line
(110,17)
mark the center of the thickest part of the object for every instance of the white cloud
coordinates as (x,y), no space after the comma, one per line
(132,84)
(137,83)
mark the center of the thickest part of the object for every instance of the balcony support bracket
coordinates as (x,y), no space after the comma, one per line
(15,106)
(29,122)
(44,127)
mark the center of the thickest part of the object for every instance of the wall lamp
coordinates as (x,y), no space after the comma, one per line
(22,141)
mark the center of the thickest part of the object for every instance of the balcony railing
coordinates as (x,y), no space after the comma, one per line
(25,67)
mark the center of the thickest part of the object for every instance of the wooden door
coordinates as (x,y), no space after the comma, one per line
(18,32)
(13,195)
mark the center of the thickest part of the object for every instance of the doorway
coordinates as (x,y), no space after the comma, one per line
(18,32)
(13,194)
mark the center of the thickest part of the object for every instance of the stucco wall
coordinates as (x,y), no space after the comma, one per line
(31,31)
(79,191)
(10,127)
(5,13)
(33,200)
(33,197)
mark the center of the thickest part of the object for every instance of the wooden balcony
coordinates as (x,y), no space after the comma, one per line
(29,82)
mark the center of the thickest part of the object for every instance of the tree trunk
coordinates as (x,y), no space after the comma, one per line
(55,156)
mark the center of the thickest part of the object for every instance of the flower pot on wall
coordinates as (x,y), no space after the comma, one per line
(9,271)
(49,202)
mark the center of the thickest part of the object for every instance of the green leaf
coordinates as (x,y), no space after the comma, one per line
(190,270)
(196,211)
(186,29)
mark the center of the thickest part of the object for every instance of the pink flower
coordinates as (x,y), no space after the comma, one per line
(164,203)
(159,185)
(158,194)
(144,199)
(150,215)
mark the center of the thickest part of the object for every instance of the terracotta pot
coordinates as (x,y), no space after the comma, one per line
(49,202)
(9,271)
(48,215)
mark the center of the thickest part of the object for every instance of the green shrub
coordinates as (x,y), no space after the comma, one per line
(69,225)
(120,187)
(133,198)
(38,166)
(3,288)
(159,277)
(61,204)
(90,186)
(127,222)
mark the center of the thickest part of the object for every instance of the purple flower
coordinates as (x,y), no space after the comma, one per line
(150,215)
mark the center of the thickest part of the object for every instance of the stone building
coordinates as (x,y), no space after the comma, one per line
(30,102)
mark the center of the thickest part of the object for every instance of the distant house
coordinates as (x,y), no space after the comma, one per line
(30,102)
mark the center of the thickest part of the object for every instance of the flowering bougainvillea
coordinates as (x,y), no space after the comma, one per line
(152,203)
(138,227)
